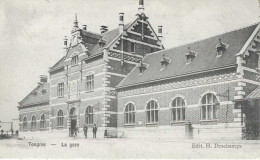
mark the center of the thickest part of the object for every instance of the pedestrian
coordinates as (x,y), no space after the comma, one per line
(2,132)
(85,131)
(105,133)
(94,131)
(12,131)
(76,131)
(17,132)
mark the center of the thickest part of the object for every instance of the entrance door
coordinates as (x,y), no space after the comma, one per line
(73,124)
(73,121)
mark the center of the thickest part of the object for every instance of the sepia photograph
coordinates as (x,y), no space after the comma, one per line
(135,79)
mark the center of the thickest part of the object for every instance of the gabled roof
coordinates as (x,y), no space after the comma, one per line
(90,34)
(59,64)
(204,60)
(93,49)
(254,95)
(36,96)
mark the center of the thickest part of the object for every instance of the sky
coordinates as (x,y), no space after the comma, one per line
(32,32)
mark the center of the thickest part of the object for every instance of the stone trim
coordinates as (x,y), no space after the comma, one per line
(168,88)
(116,59)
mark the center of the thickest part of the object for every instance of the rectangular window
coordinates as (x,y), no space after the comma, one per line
(90,83)
(74,60)
(60,92)
(132,47)
(203,113)
(174,114)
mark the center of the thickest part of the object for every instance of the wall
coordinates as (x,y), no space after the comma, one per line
(36,111)
(190,88)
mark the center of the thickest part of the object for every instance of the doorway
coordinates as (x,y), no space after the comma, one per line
(73,121)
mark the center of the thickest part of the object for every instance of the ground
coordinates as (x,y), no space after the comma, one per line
(127,148)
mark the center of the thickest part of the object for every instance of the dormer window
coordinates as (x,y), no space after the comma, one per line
(101,43)
(142,67)
(43,91)
(221,48)
(190,55)
(74,60)
(164,61)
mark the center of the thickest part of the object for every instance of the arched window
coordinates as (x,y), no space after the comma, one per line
(60,119)
(152,112)
(178,109)
(25,123)
(89,115)
(33,123)
(209,107)
(130,114)
(43,122)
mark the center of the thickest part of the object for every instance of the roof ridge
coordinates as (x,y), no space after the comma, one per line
(57,62)
(91,32)
(197,41)
(38,85)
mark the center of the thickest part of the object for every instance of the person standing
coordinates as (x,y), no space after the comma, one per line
(94,131)
(105,133)
(17,132)
(85,131)
(12,131)
(2,132)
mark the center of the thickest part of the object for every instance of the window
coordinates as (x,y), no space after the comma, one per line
(130,114)
(43,122)
(178,109)
(90,83)
(33,123)
(60,90)
(89,115)
(60,119)
(209,107)
(74,60)
(25,123)
(152,112)
(132,47)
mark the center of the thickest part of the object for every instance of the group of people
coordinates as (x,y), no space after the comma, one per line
(85,129)
(8,134)
(12,132)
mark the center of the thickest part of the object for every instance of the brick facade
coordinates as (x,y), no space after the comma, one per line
(109,58)
(164,94)
(108,71)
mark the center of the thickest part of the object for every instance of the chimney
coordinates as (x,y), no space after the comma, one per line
(103,29)
(141,6)
(65,46)
(160,33)
(121,23)
(43,79)
(85,27)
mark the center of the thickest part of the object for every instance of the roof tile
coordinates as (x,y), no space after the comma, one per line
(205,58)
